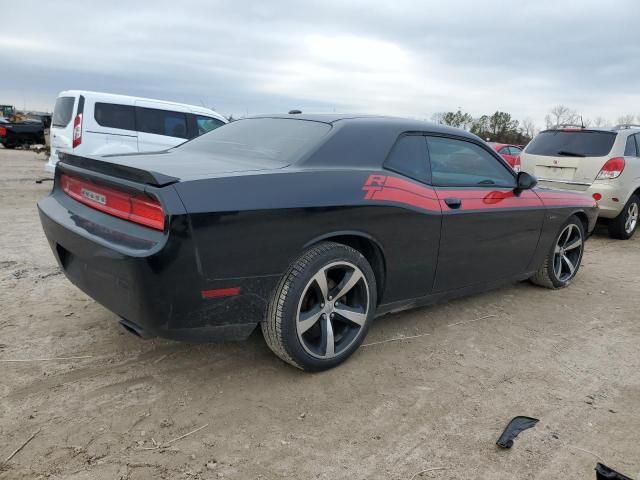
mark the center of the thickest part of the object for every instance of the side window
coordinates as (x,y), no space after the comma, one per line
(161,122)
(630,149)
(515,150)
(206,124)
(458,163)
(112,115)
(409,157)
(637,135)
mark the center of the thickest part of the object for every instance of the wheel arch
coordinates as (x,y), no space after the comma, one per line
(584,218)
(364,243)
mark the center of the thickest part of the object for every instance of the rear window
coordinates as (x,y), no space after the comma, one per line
(162,122)
(63,111)
(579,143)
(112,115)
(262,139)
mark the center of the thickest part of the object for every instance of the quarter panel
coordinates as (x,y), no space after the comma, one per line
(257,225)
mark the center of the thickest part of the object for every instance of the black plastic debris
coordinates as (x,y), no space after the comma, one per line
(605,473)
(516,425)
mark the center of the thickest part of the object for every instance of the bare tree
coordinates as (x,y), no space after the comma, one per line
(528,127)
(626,119)
(600,122)
(561,114)
(437,117)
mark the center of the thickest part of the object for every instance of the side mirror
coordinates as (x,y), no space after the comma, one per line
(526,181)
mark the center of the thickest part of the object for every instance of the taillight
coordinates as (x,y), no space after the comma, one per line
(133,207)
(516,164)
(77,130)
(612,169)
(3,132)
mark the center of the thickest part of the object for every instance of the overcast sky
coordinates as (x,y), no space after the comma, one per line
(409,58)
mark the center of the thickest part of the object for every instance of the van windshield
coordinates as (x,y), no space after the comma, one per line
(573,143)
(63,111)
(261,140)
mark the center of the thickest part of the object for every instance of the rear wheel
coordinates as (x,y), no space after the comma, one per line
(322,308)
(563,260)
(624,225)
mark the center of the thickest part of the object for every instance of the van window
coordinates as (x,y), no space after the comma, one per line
(115,116)
(63,111)
(206,124)
(161,122)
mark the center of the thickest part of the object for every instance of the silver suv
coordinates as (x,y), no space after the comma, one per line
(605,163)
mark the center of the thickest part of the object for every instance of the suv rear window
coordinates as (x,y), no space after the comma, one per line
(578,143)
(63,111)
(267,140)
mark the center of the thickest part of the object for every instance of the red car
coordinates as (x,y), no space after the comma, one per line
(511,153)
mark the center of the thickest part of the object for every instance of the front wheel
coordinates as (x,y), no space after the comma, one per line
(563,260)
(322,308)
(624,225)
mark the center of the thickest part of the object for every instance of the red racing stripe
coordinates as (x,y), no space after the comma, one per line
(398,190)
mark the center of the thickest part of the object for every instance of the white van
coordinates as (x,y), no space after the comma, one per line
(94,123)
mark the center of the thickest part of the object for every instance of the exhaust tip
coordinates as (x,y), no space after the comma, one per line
(135,329)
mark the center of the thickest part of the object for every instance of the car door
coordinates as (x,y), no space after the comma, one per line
(160,126)
(417,231)
(489,231)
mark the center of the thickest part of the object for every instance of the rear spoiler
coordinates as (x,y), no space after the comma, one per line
(146,177)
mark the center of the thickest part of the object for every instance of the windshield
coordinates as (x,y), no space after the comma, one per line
(573,143)
(265,140)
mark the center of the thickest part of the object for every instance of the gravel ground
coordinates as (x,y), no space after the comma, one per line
(436,403)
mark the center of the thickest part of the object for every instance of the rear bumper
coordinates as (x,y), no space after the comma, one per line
(608,207)
(153,284)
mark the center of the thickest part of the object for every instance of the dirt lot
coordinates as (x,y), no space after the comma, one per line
(438,401)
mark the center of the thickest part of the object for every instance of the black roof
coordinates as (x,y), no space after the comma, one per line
(395,123)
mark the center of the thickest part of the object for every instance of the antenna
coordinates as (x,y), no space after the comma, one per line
(581,122)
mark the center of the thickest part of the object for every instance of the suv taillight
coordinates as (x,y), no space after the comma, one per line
(129,206)
(77,130)
(612,169)
(3,132)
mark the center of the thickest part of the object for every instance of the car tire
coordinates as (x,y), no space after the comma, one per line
(322,307)
(9,146)
(563,260)
(626,223)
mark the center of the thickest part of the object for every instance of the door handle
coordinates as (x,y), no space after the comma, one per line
(453,203)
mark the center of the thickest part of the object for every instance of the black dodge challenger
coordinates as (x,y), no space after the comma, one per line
(307,225)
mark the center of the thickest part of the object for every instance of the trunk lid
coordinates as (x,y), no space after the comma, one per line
(163,168)
(186,165)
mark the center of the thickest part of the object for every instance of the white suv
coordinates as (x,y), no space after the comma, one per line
(603,163)
(93,123)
